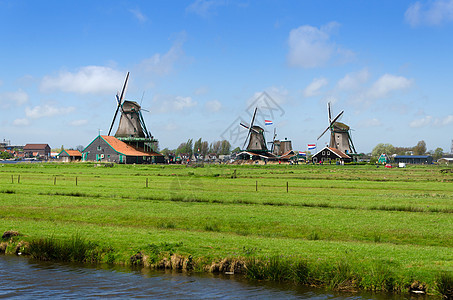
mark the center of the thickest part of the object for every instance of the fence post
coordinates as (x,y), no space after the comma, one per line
(55,180)
(287,186)
(146,182)
(76,181)
(256,186)
(18,178)
(12,178)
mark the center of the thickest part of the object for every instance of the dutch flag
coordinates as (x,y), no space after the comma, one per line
(302,153)
(267,122)
(311,146)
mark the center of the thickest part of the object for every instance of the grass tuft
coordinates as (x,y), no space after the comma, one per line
(444,284)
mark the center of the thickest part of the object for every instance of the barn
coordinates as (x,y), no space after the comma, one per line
(70,155)
(106,148)
(329,155)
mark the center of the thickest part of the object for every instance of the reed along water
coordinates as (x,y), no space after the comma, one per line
(22,278)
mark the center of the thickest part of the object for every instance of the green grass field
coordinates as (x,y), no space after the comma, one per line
(394,223)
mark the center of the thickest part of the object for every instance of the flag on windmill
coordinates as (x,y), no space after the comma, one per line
(302,153)
(267,122)
(311,147)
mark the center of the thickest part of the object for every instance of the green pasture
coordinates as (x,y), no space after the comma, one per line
(365,215)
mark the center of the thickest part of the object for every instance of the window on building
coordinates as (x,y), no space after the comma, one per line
(99,148)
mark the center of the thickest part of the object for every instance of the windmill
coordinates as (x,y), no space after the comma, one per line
(132,128)
(275,143)
(255,137)
(340,137)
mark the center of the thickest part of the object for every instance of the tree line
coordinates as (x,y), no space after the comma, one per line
(204,148)
(419,149)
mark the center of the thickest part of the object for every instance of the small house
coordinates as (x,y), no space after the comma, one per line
(70,155)
(36,150)
(105,148)
(330,155)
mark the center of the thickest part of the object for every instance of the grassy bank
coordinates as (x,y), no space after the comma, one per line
(345,227)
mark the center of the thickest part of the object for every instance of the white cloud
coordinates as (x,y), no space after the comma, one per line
(374,122)
(47,111)
(78,122)
(162,64)
(87,80)
(311,47)
(13,98)
(204,8)
(447,120)
(213,106)
(353,81)
(315,86)
(425,121)
(386,84)
(183,102)
(138,15)
(430,120)
(431,14)
(21,122)
(201,91)
(166,103)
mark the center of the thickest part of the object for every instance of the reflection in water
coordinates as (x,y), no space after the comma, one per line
(23,278)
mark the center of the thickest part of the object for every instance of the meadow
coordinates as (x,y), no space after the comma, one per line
(345,227)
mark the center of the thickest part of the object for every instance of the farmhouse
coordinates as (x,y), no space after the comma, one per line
(329,155)
(106,148)
(34,150)
(414,159)
(70,155)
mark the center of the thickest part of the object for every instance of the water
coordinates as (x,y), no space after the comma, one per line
(27,279)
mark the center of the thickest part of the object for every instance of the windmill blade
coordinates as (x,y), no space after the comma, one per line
(253,118)
(116,113)
(323,132)
(119,100)
(245,142)
(336,118)
(243,125)
(123,92)
(330,113)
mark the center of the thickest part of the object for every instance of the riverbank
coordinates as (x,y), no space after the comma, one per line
(344,227)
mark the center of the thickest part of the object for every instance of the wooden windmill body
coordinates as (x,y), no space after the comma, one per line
(340,137)
(132,128)
(255,137)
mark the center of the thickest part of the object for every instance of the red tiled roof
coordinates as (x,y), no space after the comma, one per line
(73,153)
(339,153)
(35,146)
(124,148)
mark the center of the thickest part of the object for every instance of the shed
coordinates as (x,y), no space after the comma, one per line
(70,155)
(383,159)
(414,159)
(329,155)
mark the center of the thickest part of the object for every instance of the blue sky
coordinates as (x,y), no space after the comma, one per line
(198,66)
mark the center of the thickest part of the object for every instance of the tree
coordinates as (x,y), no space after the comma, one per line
(5,155)
(420,148)
(80,148)
(382,148)
(204,148)
(197,146)
(225,147)
(236,150)
(438,153)
(215,147)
